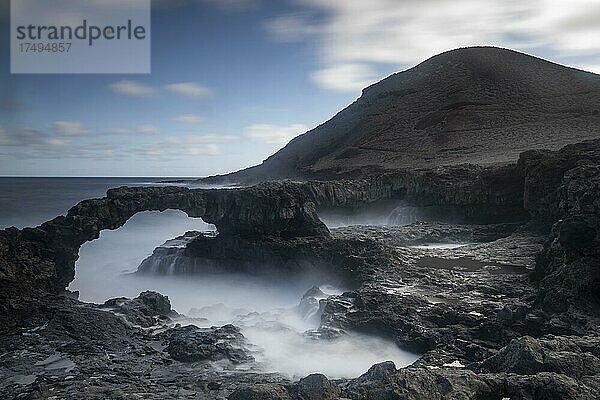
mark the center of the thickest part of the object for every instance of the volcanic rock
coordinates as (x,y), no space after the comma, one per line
(477,105)
(192,344)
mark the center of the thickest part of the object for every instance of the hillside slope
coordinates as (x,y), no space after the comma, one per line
(480,105)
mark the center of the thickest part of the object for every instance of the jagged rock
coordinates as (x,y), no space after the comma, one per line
(447,384)
(568,269)
(146,310)
(42,260)
(529,356)
(552,188)
(309,306)
(379,372)
(260,392)
(316,387)
(192,344)
(577,233)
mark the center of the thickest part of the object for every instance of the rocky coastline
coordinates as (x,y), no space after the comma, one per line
(513,312)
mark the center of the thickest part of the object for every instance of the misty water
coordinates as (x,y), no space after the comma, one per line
(266,310)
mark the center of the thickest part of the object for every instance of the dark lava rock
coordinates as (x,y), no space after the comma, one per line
(146,310)
(191,344)
(260,392)
(528,356)
(379,372)
(316,387)
(577,233)
(42,260)
(568,269)
(155,302)
(553,184)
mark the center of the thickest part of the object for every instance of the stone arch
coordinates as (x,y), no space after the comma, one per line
(42,259)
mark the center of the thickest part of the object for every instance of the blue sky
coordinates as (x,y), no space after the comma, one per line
(233,80)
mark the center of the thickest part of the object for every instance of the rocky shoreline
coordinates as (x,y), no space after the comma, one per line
(511,311)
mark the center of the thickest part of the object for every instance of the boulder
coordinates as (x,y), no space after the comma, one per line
(192,344)
(316,387)
(260,392)
(529,356)
(146,310)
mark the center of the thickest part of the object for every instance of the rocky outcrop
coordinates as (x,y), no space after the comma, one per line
(543,173)
(42,259)
(572,356)
(261,392)
(561,190)
(383,381)
(65,348)
(193,344)
(146,310)
(568,270)
(463,192)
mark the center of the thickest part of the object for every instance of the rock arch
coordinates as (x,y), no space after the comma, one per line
(42,259)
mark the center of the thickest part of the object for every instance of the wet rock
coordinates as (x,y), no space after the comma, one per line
(42,260)
(544,172)
(379,372)
(528,356)
(192,344)
(146,310)
(260,392)
(577,233)
(316,387)
(568,268)
(309,306)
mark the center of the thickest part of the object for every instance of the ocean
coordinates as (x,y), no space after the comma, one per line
(32,201)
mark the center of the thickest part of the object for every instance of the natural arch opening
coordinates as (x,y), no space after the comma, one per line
(278,316)
(105,265)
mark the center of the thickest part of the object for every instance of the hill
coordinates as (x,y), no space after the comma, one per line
(479,105)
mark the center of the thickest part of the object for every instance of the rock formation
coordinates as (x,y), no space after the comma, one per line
(42,259)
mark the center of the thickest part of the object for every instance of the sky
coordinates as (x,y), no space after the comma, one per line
(232,81)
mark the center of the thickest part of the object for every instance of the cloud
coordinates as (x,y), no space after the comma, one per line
(595,68)
(189,119)
(142,129)
(132,88)
(76,128)
(25,140)
(345,77)
(21,137)
(64,141)
(274,134)
(354,37)
(290,28)
(189,89)
(71,128)
(191,145)
(138,89)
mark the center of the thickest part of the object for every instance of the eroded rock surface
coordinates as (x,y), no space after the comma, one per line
(483,329)
(190,344)
(42,259)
